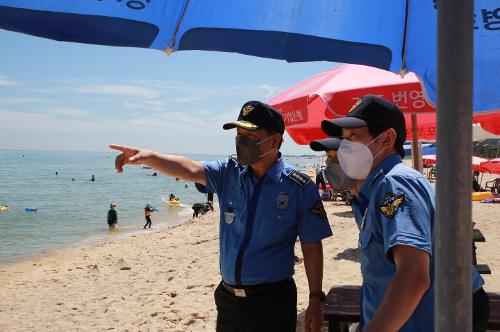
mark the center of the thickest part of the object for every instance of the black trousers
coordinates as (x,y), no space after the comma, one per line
(275,310)
(480,311)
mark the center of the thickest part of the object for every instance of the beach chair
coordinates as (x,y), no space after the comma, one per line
(493,186)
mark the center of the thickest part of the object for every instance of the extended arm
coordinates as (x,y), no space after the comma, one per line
(177,166)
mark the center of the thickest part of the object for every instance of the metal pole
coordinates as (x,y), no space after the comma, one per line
(415,151)
(453,226)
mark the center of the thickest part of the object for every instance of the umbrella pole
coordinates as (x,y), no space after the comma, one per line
(453,247)
(415,150)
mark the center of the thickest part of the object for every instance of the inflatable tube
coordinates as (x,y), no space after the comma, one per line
(479,196)
(174,202)
(30,209)
(3,208)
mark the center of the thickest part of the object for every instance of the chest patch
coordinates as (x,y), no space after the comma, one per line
(391,203)
(282,201)
(299,178)
(318,209)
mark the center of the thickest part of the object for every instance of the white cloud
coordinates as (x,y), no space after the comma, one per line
(69,111)
(269,90)
(5,81)
(24,100)
(109,89)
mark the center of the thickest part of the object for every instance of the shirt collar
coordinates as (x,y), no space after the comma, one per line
(274,173)
(383,168)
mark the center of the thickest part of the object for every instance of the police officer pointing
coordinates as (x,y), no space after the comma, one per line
(265,205)
(394,210)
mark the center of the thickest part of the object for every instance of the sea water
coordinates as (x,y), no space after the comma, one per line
(71,210)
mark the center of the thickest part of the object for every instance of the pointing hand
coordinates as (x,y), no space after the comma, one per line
(129,155)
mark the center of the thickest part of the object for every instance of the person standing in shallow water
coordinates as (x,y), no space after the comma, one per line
(112,216)
(147,215)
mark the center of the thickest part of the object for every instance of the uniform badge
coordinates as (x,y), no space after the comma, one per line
(247,109)
(282,201)
(318,209)
(229,217)
(391,203)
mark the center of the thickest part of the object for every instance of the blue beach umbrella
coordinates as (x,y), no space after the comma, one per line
(394,35)
(397,35)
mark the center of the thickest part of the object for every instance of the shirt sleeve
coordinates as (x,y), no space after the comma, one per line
(214,175)
(313,222)
(406,212)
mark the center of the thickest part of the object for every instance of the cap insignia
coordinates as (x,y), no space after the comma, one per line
(356,105)
(247,109)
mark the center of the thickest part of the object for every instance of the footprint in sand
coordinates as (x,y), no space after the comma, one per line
(123,265)
(93,269)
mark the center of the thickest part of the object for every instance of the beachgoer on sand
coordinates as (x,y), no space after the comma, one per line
(265,204)
(112,216)
(394,209)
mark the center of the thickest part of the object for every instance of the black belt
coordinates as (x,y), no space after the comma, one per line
(246,291)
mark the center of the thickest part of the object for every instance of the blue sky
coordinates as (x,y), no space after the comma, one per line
(67,96)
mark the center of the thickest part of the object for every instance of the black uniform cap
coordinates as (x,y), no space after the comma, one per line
(255,115)
(370,110)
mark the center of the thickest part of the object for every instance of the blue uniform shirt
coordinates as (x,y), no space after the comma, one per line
(396,206)
(260,219)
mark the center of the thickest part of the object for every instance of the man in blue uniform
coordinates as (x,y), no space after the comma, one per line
(264,205)
(394,210)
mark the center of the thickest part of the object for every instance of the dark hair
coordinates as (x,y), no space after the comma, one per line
(375,130)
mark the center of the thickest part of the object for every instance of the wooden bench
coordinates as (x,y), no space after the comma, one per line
(342,308)
(477,236)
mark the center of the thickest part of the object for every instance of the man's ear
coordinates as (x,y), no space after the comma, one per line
(278,139)
(390,138)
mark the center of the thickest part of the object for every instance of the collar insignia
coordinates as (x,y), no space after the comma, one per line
(391,203)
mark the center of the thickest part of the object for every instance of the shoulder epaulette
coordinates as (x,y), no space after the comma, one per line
(300,178)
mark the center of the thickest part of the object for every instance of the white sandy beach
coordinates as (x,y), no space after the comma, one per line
(164,281)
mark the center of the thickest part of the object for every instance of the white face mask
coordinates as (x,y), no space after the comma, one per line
(356,159)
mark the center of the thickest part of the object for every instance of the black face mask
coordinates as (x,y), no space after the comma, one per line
(337,178)
(248,149)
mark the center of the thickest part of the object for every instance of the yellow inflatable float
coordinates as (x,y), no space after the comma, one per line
(479,196)
(171,201)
